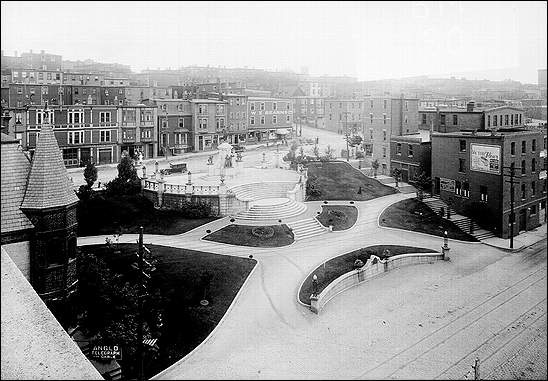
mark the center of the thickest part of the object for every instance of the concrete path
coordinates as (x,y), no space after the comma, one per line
(404,324)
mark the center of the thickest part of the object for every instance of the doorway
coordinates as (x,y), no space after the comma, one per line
(522,220)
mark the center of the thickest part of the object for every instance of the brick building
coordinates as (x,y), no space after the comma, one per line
(236,118)
(472,177)
(86,94)
(269,118)
(174,125)
(309,110)
(412,154)
(342,115)
(41,61)
(92,79)
(21,95)
(208,123)
(36,77)
(138,130)
(113,95)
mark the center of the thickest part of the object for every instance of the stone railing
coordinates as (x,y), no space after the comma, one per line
(373,267)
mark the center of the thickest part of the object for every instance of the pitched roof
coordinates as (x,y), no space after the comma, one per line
(15,169)
(49,185)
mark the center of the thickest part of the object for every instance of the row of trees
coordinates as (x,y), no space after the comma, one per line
(295,159)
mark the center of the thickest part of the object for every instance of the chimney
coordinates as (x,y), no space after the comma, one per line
(470,106)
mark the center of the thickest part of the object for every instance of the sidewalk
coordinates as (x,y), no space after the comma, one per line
(521,241)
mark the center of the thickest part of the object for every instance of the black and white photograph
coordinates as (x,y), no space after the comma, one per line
(277,190)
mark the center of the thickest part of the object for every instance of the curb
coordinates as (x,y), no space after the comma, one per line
(179,362)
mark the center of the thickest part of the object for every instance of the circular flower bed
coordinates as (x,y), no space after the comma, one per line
(263,232)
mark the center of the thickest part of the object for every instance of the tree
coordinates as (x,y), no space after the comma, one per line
(316,151)
(127,182)
(126,169)
(421,180)
(375,166)
(396,174)
(90,174)
(329,153)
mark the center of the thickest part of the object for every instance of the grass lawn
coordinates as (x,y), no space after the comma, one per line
(105,215)
(177,290)
(342,264)
(342,217)
(242,235)
(340,181)
(406,215)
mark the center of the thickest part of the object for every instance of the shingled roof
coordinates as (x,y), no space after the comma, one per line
(15,169)
(49,185)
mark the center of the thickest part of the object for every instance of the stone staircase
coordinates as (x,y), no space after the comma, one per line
(307,228)
(464,223)
(271,209)
(264,190)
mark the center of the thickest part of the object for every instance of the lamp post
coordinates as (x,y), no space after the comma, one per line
(445,248)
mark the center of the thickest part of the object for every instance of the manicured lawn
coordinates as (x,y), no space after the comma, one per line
(105,215)
(406,215)
(340,265)
(342,217)
(177,290)
(243,235)
(340,181)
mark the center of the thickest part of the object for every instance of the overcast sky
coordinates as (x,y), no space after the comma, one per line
(367,40)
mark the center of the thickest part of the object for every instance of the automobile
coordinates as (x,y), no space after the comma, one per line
(238,148)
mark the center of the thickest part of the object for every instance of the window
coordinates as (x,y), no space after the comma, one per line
(466,189)
(104,136)
(533,210)
(203,123)
(442,119)
(384,135)
(262,106)
(406,106)
(179,139)
(513,148)
(506,119)
(275,105)
(75,116)
(488,120)
(398,149)
(410,150)
(458,188)
(287,118)
(533,189)
(483,193)
(104,117)
(274,119)
(371,103)
(516,119)
(163,122)
(220,123)
(288,106)
(262,119)
(533,165)
(523,146)
(41,75)
(145,134)
(371,133)
(252,120)
(384,118)
(252,106)
(461,165)
(405,119)
(523,194)
(202,109)
(40,115)
(519,118)
(494,120)
(181,123)
(523,167)
(423,118)
(455,120)
(75,137)
(19,90)
(385,103)
(534,145)
(220,109)
(383,151)
(462,145)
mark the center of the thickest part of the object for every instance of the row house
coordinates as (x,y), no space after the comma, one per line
(86,94)
(236,118)
(92,79)
(138,130)
(135,95)
(36,77)
(269,118)
(42,60)
(84,133)
(174,125)
(184,91)
(209,117)
(21,95)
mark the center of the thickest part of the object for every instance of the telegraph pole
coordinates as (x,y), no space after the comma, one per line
(140,296)
(512,168)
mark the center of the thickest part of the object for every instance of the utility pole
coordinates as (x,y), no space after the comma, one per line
(512,168)
(140,296)
(346,132)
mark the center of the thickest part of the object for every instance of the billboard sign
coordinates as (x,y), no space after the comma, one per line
(485,158)
(447,185)
(105,352)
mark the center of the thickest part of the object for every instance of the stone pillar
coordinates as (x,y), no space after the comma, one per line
(223,196)
(445,251)
(161,192)
(143,180)
(314,305)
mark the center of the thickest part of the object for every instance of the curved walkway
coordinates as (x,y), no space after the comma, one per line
(267,334)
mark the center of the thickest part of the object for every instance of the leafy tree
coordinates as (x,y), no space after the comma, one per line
(316,151)
(396,174)
(421,180)
(329,153)
(354,141)
(90,174)
(126,169)
(375,166)
(312,189)
(127,182)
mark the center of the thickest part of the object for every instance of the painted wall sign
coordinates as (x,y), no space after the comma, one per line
(485,158)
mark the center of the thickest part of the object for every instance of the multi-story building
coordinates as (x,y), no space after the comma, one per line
(41,61)
(111,95)
(116,82)
(236,131)
(269,118)
(138,130)
(473,177)
(443,103)
(76,79)
(208,123)
(135,95)
(21,95)
(36,76)
(342,115)
(174,126)
(184,91)
(542,83)
(309,110)
(84,133)
(412,154)
(86,94)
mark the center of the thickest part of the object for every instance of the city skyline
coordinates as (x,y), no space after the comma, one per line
(364,40)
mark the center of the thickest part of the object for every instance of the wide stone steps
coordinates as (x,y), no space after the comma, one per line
(258,191)
(272,209)
(307,228)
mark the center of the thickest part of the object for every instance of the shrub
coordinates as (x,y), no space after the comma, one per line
(120,187)
(84,192)
(90,174)
(311,186)
(196,209)
(359,155)
(263,232)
